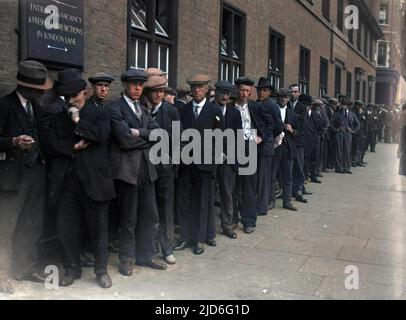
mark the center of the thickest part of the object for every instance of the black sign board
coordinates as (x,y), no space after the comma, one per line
(52,32)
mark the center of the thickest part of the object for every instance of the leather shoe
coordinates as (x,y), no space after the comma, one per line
(348,172)
(182,245)
(361,165)
(290,206)
(198,249)
(35,277)
(155,264)
(306,193)
(249,230)
(68,279)
(315,180)
(211,243)
(104,281)
(230,234)
(301,199)
(262,214)
(340,171)
(126,269)
(272,205)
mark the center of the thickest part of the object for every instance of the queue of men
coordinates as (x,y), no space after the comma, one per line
(87,163)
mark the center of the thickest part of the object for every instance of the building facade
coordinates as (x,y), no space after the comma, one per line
(390,81)
(291,41)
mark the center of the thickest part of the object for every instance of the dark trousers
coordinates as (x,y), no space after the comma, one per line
(264,186)
(347,151)
(339,150)
(165,197)
(246,204)
(196,205)
(283,163)
(21,224)
(76,212)
(315,159)
(371,140)
(138,214)
(226,180)
(331,151)
(298,176)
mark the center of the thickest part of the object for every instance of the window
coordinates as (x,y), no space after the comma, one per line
(366,42)
(371,48)
(359,37)
(351,35)
(232,44)
(152,35)
(338,76)
(358,81)
(323,77)
(276,59)
(364,90)
(304,70)
(349,84)
(383,14)
(325,8)
(383,54)
(340,15)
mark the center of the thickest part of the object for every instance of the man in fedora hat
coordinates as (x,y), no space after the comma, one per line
(196,180)
(77,142)
(274,127)
(165,115)
(134,174)
(22,170)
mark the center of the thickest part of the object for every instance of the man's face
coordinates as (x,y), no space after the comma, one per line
(283,100)
(157,96)
(212,95)
(222,97)
(344,107)
(263,93)
(170,98)
(101,90)
(244,92)
(199,92)
(77,101)
(134,89)
(295,93)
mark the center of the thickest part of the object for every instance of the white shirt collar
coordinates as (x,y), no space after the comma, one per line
(129,101)
(23,100)
(200,105)
(158,106)
(243,107)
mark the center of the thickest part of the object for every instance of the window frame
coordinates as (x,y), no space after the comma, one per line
(326,9)
(304,82)
(340,15)
(349,84)
(338,76)
(272,74)
(323,87)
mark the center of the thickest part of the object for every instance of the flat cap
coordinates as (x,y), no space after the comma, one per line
(306,99)
(224,86)
(170,91)
(284,92)
(156,82)
(199,79)
(134,75)
(154,72)
(333,101)
(244,81)
(318,102)
(359,102)
(101,77)
(183,89)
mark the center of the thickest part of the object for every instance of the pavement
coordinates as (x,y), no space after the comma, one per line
(354,224)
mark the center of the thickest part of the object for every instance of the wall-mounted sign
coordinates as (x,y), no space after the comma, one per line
(52,32)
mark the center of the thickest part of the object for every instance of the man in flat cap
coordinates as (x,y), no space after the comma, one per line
(101,83)
(196,180)
(285,152)
(274,127)
(22,170)
(298,173)
(255,131)
(226,173)
(183,96)
(134,174)
(371,128)
(166,116)
(359,138)
(77,142)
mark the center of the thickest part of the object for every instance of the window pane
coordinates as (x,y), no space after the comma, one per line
(226,32)
(162,18)
(139,54)
(139,15)
(237,50)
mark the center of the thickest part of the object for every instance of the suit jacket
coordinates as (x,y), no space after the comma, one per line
(210,118)
(301,112)
(91,164)
(273,126)
(128,153)
(355,124)
(289,140)
(15,122)
(233,121)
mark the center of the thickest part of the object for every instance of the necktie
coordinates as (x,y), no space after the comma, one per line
(28,109)
(196,111)
(138,111)
(154,112)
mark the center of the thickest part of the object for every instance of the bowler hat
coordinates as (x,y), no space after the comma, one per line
(34,75)
(224,86)
(199,79)
(101,77)
(264,83)
(306,99)
(69,82)
(134,75)
(244,81)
